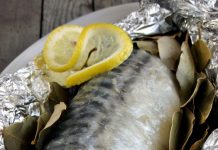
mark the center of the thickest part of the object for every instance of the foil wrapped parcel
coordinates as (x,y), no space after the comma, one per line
(22,92)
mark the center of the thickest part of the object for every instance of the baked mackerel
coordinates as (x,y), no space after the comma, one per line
(128,108)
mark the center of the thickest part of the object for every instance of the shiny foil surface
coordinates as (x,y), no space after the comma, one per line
(20,95)
(212,141)
(149,19)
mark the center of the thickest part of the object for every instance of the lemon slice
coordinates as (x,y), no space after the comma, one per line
(58,52)
(101,47)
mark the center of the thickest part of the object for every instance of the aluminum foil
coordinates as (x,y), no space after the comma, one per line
(150,19)
(212,141)
(20,95)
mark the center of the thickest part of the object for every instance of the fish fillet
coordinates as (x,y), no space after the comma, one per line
(128,108)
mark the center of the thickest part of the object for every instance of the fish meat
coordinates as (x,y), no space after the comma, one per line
(128,108)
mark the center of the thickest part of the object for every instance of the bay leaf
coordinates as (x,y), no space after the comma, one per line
(201,54)
(204,99)
(199,143)
(187,126)
(198,136)
(41,122)
(46,120)
(169,51)
(175,130)
(58,110)
(149,46)
(185,73)
(18,136)
(200,78)
(58,94)
(181,130)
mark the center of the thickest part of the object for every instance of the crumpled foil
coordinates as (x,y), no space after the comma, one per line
(150,19)
(212,141)
(20,95)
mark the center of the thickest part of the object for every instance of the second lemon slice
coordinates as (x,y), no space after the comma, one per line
(101,47)
(58,52)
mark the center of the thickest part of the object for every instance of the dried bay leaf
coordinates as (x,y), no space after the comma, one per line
(187,126)
(58,110)
(41,122)
(199,143)
(198,136)
(181,130)
(185,73)
(149,46)
(201,55)
(18,136)
(204,99)
(175,130)
(169,51)
(201,77)
(57,95)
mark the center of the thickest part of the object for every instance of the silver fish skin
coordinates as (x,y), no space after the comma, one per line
(128,108)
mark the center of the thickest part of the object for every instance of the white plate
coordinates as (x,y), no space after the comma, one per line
(110,15)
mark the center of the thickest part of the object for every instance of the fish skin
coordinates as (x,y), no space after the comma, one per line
(128,108)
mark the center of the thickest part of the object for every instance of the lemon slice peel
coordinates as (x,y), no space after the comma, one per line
(52,39)
(106,64)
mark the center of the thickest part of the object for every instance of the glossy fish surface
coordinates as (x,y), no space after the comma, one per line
(128,108)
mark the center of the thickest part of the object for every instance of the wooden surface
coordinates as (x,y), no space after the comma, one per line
(22,22)
(57,12)
(19,27)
